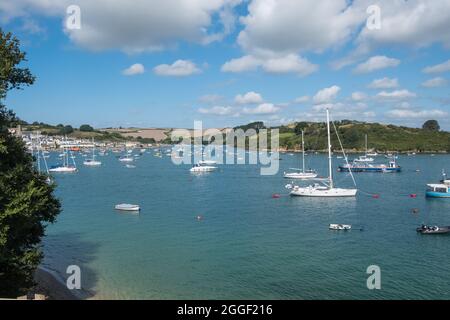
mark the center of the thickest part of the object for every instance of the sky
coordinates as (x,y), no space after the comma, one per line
(154,63)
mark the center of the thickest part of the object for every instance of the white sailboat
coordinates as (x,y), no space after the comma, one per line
(41,153)
(365,158)
(301,173)
(92,162)
(327,188)
(65,167)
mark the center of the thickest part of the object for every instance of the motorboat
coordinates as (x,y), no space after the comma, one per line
(127,207)
(334,226)
(126,159)
(202,168)
(392,166)
(424,229)
(439,190)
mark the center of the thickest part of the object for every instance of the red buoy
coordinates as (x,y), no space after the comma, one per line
(376,196)
(276,196)
(413,195)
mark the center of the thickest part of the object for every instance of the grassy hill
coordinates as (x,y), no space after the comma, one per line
(381,137)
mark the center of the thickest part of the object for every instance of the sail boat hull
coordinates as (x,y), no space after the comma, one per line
(322,192)
(300,175)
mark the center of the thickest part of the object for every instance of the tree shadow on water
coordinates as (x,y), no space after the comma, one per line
(65,249)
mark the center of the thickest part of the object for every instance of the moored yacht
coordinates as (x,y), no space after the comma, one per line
(327,188)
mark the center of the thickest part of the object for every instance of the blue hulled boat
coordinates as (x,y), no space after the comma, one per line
(439,190)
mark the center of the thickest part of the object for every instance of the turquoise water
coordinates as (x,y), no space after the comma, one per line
(248,245)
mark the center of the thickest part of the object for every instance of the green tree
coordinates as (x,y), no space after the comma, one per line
(27,203)
(431,125)
(86,128)
(66,130)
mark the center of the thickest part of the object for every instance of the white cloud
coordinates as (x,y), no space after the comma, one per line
(415,23)
(287,26)
(396,95)
(179,68)
(264,108)
(302,99)
(134,69)
(290,63)
(249,98)
(415,114)
(384,83)
(217,110)
(435,82)
(146,25)
(326,95)
(359,96)
(439,68)
(376,63)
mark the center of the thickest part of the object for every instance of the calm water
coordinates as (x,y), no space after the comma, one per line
(248,245)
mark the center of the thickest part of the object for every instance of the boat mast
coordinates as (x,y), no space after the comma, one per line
(366,144)
(329,150)
(303,151)
(93,149)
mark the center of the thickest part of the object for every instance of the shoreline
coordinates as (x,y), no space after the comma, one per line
(49,284)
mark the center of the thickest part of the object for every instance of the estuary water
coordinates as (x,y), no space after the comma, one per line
(248,244)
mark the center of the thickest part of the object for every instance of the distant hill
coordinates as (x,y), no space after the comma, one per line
(381,137)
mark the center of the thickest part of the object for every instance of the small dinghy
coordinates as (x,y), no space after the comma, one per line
(127,207)
(334,226)
(424,229)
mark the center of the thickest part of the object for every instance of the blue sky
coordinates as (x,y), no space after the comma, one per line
(238,61)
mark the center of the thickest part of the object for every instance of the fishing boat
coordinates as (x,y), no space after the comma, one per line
(326,188)
(334,226)
(369,167)
(127,207)
(424,229)
(439,190)
(301,173)
(92,162)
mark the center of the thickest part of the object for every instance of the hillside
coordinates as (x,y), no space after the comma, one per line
(381,137)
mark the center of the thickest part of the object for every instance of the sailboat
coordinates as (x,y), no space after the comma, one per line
(92,162)
(39,154)
(301,173)
(364,158)
(65,167)
(327,188)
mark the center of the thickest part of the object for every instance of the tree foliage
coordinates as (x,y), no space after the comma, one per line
(431,125)
(86,128)
(27,203)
